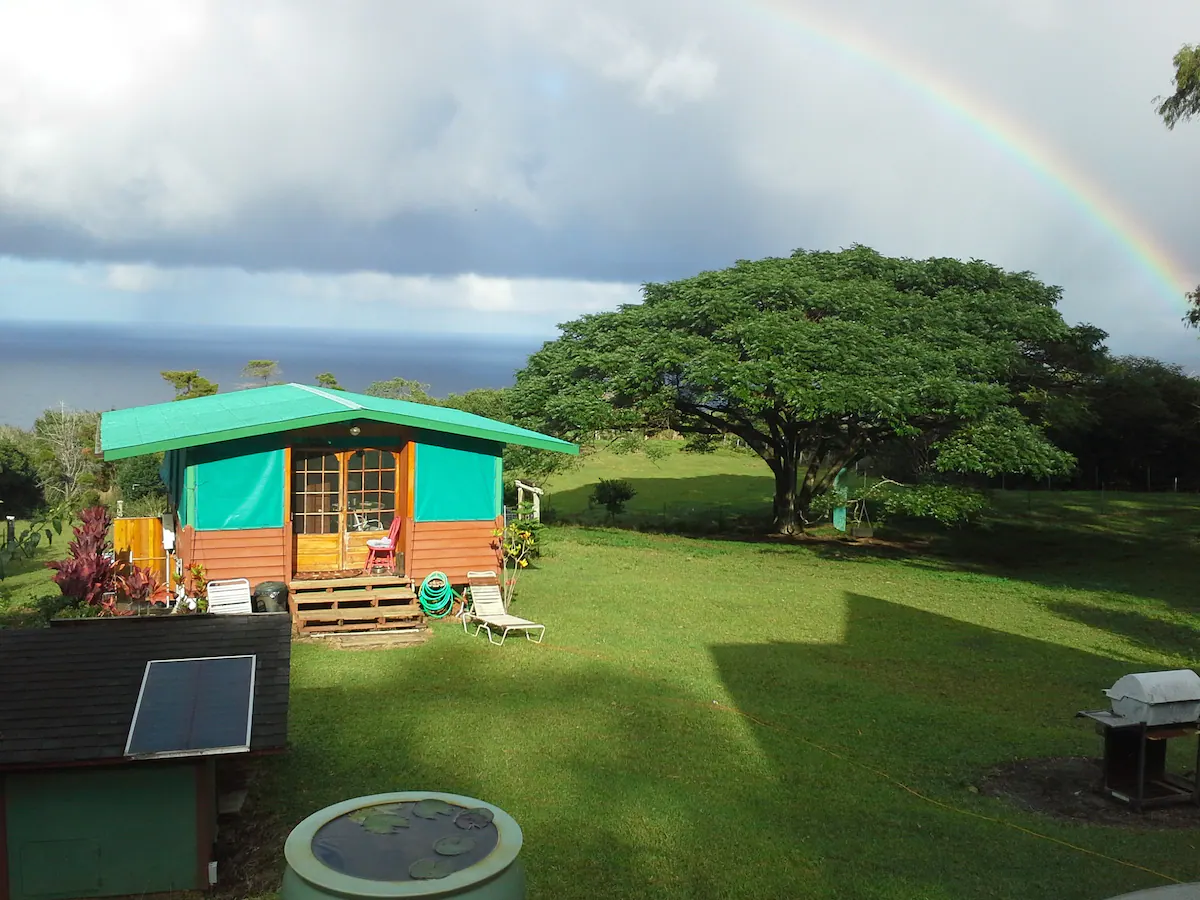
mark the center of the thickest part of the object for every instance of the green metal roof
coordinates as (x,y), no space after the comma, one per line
(284,407)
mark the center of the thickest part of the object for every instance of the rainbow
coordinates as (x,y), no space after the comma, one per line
(1043,161)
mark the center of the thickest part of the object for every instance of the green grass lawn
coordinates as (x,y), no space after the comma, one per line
(749,719)
(729,719)
(28,585)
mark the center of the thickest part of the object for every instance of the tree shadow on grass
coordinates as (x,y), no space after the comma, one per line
(631,785)
(934,702)
(1144,545)
(1152,556)
(1138,626)
(704,504)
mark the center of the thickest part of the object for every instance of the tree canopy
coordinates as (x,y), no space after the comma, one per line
(816,359)
(401,389)
(188,383)
(1184,103)
(266,369)
(329,381)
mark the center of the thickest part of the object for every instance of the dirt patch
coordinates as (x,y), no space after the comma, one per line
(1067,788)
(249,844)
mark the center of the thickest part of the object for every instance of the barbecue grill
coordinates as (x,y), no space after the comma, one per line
(1146,710)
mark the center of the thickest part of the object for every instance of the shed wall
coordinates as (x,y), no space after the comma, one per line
(454,548)
(102,831)
(255,554)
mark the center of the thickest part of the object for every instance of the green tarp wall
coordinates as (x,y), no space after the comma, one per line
(458,480)
(95,831)
(240,484)
(234,485)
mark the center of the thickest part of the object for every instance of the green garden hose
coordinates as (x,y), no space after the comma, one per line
(436,596)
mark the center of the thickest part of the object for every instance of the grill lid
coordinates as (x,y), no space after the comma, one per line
(1174,686)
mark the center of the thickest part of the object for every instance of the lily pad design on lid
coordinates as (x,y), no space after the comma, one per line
(431,867)
(361,815)
(428,809)
(390,808)
(454,845)
(384,823)
(474,818)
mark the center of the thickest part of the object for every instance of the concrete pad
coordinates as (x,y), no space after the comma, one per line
(1168,892)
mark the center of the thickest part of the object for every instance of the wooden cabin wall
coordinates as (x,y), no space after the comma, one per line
(256,554)
(454,548)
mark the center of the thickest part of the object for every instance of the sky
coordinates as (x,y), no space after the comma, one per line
(480,168)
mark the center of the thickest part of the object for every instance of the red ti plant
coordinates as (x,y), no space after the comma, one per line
(143,586)
(90,574)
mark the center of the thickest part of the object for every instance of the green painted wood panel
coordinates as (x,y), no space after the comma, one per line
(101,831)
(240,491)
(457,483)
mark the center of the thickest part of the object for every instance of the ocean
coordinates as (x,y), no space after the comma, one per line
(104,367)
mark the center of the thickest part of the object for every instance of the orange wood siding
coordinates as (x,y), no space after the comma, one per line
(318,552)
(454,548)
(257,554)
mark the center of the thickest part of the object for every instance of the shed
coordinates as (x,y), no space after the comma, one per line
(289,481)
(85,811)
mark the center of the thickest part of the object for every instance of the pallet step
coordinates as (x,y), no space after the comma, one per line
(376,640)
(326,584)
(392,594)
(363,628)
(366,613)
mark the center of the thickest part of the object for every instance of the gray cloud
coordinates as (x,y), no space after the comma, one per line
(620,141)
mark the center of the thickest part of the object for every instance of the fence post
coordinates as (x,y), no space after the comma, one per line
(10,530)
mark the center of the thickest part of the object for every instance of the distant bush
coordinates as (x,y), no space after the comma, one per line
(613,494)
(657,450)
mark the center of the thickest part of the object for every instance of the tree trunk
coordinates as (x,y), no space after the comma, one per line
(787,520)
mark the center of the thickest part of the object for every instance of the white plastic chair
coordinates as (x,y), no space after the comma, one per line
(230,597)
(487,610)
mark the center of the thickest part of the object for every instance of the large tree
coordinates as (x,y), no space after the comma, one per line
(1182,105)
(814,360)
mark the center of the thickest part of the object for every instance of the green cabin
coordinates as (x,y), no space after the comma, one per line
(289,482)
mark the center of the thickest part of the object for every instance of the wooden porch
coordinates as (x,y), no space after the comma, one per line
(337,603)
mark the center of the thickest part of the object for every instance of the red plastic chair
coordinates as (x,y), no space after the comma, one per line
(382,551)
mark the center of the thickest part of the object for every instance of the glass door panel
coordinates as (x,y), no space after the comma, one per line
(316,492)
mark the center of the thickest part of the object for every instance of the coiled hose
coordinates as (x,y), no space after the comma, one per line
(436,596)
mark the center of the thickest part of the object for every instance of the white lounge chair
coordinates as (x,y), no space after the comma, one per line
(487,611)
(230,597)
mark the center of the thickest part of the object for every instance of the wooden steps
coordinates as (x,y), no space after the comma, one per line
(363,603)
(364,581)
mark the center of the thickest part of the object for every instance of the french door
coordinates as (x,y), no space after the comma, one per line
(340,500)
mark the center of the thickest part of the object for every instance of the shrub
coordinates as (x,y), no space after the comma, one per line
(92,576)
(945,504)
(20,493)
(613,494)
(138,477)
(701,443)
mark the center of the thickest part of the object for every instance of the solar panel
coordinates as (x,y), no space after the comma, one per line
(193,707)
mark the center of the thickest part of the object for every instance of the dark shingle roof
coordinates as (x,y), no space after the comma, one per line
(67,692)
